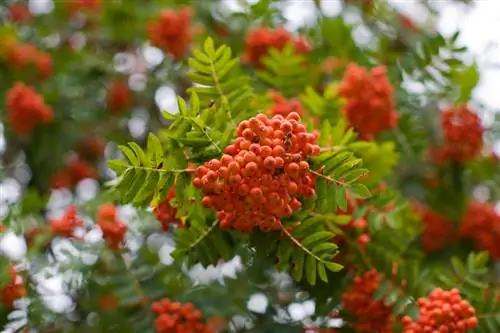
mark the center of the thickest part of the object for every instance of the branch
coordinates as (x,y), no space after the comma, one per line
(298,244)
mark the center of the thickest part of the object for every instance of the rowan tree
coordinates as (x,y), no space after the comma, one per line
(287,168)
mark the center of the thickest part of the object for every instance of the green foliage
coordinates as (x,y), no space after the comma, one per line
(326,106)
(146,174)
(221,83)
(285,71)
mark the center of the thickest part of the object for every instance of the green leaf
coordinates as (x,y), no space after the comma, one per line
(154,149)
(118,166)
(182,106)
(298,258)
(201,56)
(467,80)
(354,175)
(333,266)
(139,153)
(317,237)
(169,116)
(311,270)
(208,47)
(129,154)
(342,197)
(285,250)
(322,272)
(148,189)
(138,181)
(327,247)
(194,105)
(359,191)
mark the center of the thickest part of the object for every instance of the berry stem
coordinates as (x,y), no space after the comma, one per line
(203,235)
(297,242)
(327,178)
(332,148)
(225,103)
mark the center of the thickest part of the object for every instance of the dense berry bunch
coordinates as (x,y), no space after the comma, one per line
(19,13)
(481,224)
(438,229)
(166,213)
(259,40)
(66,225)
(172,32)
(61,180)
(407,22)
(92,147)
(442,311)
(13,290)
(87,6)
(282,106)
(262,174)
(174,317)
(371,315)
(118,98)
(355,229)
(332,64)
(462,134)
(26,109)
(370,105)
(80,169)
(108,302)
(113,230)
(22,57)
(76,170)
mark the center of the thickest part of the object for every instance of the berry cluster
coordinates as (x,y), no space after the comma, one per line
(113,230)
(481,224)
(370,104)
(438,230)
(92,147)
(26,109)
(13,290)
(171,32)
(371,315)
(76,170)
(66,225)
(118,97)
(174,317)
(86,6)
(262,174)
(22,57)
(108,302)
(357,229)
(407,23)
(462,134)
(282,106)
(221,30)
(166,213)
(19,13)
(443,311)
(259,40)
(332,64)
